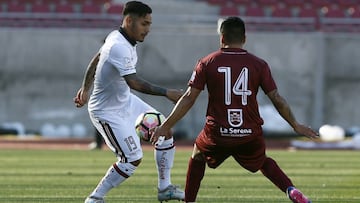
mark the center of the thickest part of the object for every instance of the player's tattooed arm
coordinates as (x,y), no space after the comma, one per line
(285,111)
(141,85)
(146,87)
(82,95)
(282,107)
(90,73)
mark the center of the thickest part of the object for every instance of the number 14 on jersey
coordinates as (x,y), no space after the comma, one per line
(240,87)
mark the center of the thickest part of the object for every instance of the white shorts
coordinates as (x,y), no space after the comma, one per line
(118,129)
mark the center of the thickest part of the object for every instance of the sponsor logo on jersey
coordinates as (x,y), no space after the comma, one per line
(235,132)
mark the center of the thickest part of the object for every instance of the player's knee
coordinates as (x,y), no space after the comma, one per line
(198,157)
(136,163)
(123,169)
(253,168)
(196,154)
(212,165)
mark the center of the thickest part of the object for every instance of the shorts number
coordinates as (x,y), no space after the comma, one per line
(130,142)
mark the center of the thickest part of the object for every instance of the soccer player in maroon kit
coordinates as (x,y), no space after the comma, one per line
(233,124)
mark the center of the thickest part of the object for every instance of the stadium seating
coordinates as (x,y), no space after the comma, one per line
(255,11)
(16,7)
(354,13)
(40,8)
(217,2)
(58,13)
(229,10)
(91,8)
(336,19)
(282,11)
(64,8)
(321,3)
(114,8)
(333,12)
(269,15)
(100,2)
(296,15)
(308,12)
(294,3)
(54,2)
(264,3)
(344,4)
(242,2)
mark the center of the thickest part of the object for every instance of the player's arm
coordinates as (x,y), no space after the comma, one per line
(180,109)
(285,111)
(82,94)
(90,73)
(143,86)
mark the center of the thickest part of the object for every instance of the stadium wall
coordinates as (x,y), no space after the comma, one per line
(318,73)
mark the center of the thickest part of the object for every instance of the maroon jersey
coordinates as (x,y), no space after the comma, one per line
(233,77)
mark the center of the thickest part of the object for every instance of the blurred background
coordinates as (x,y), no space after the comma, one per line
(312,46)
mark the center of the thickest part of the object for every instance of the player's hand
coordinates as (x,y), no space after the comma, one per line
(81,98)
(158,132)
(174,95)
(306,131)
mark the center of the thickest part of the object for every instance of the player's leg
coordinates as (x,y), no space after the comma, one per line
(98,139)
(204,153)
(97,143)
(194,176)
(116,174)
(129,154)
(273,172)
(252,157)
(164,157)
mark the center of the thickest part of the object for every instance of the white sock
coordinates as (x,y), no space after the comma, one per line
(164,158)
(116,174)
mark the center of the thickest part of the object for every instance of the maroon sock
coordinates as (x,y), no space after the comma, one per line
(195,173)
(273,172)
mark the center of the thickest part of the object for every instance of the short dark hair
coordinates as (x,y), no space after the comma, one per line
(137,8)
(233,30)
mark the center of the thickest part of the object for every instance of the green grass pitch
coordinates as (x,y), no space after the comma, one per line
(70,175)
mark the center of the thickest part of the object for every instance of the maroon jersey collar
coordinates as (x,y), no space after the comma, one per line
(233,50)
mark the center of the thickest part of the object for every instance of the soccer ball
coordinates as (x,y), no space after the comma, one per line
(146,121)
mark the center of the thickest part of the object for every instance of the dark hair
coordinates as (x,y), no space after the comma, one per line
(136,7)
(233,30)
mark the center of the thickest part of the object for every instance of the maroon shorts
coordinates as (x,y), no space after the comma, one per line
(249,153)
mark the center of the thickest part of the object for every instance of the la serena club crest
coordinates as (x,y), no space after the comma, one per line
(235,120)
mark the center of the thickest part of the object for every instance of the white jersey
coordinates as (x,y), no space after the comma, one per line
(113,109)
(118,58)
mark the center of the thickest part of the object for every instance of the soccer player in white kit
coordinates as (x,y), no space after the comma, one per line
(113,109)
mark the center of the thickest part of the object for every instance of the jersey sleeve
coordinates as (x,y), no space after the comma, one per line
(268,83)
(120,57)
(198,77)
